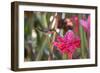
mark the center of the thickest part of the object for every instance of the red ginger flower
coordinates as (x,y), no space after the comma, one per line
(67,44)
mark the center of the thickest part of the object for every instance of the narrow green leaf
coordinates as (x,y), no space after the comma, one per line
(42,47)
(82,49)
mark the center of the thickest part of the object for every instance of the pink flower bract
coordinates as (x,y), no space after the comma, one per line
(86,24)
(76,22)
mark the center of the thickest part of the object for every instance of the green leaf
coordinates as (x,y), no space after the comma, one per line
(42,47)
(64,56)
